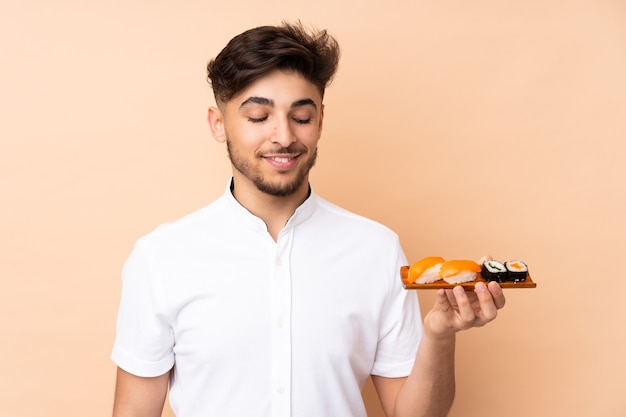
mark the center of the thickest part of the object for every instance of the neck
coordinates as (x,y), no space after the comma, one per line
(274,211)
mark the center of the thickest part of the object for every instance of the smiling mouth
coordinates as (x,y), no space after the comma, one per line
(282,162)
(282,159)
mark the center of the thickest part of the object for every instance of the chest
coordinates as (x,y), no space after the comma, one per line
(258,308)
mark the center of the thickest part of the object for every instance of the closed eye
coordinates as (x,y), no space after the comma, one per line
(302,121)
(257,119)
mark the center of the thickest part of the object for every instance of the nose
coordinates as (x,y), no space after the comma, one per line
(283,134)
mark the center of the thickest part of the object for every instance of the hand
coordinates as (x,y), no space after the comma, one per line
(458,309)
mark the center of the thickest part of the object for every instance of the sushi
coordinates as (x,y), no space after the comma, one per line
(459,271)
(516,270)
(426,270)
(494,271)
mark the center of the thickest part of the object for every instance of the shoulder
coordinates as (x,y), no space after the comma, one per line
(188,228)
(352,220)
(332,223)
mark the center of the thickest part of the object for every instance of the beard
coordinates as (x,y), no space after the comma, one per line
(276,189)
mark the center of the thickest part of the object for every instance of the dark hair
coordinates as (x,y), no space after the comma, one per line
(256,52)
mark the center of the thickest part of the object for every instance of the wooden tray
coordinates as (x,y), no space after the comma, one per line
(404,273)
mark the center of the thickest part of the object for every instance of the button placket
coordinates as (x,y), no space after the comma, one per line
(281,329)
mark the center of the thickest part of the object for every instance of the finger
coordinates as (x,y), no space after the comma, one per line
(497,294)
(451,298)
(443,300)
(464,307)
(488,309)
(484,259)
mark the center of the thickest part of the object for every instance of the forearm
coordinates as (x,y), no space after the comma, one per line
(139,397)
(429,390)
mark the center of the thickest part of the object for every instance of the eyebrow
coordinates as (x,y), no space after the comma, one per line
(257,100)
(304,102)
(268,102)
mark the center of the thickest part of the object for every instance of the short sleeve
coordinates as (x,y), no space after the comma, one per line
(401,328)
(144,340)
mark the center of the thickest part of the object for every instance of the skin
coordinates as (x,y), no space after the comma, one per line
(432,377)
(271,130)
(279,116)
(137,396)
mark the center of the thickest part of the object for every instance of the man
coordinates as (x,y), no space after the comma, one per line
(272,301)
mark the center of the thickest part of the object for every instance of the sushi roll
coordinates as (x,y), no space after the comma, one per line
(426,270)
(517,271)
(459,271)
(494,271)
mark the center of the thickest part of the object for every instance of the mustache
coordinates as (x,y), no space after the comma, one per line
(291,149)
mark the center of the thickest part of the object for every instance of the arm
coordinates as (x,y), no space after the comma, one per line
(429,389)
(138,396)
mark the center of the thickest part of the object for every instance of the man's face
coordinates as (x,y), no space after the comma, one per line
(271,130)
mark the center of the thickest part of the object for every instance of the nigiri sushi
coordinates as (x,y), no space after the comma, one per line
(459,271)
(426,270)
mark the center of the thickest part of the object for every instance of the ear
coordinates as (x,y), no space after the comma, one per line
(321,118)
(216,123)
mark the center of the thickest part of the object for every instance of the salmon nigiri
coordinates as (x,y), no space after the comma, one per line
(425,270)
(459,271)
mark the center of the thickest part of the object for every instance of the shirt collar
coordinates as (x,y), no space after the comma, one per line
(300,215)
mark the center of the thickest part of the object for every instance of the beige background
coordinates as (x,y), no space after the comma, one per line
(469,127)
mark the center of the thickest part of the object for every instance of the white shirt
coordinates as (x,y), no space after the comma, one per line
(255,327)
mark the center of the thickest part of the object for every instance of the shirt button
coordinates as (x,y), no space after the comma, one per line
(279,262)
(280,389)
(279,323)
